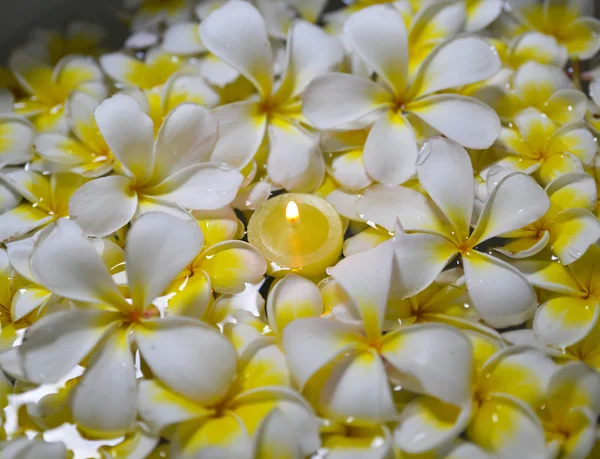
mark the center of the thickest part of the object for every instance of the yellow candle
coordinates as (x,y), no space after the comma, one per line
(297,233)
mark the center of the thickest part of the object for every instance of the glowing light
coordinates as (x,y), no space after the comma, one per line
(291,212)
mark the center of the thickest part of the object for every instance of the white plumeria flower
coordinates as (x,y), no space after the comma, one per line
(48,88)
(570,412)
(571,22)
(546,88)
(168,172)
(536,145)
(379,36)
(236,33)
(46,199)
(66,262)
(358,386)
(439,229)
(571,312)
(250,411)
(86,153)
(531,46)
(568,227)
(16,141)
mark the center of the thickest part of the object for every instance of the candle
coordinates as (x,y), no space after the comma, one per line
(297,233)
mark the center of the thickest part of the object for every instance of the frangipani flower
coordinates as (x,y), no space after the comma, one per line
(379,37)
(536,145)
(85,153)
(570,410)
(47,198)
(236,33)
(572,311)
(439,229)
(66,262)
(531,46)
(569,21)
(568,227)
(48,88)
(247,413)
(159,174)
(16,141)
(546,88)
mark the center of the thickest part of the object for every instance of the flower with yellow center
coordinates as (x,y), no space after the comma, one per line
(439,227)
(103,329)
(345,102)
(571,22)
(48,88)
(570,411)
(568,227)
(236,33)
(546,88)
(169,173)
(572,310)
(85,152)
(536,145)
(530,46)
(47,199)
(249,411)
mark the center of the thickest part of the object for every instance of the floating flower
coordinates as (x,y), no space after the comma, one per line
(378,35)
(161,174)
(48,88)
(439,229)
(294,159)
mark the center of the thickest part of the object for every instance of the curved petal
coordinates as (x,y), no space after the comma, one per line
(57,342)
(101,408)
(549,275)
(545,48)
(554,166)
(206,186)
(126,69)
(293,297)
(310,344)
(439,160)
(535,82)
(74,70)
(27,300)
(232,264)
(564,320)
(574,384)
(482,13)
(391,149)
(169,345)
(349,171)
(237,34)
(566,106)
(432,359)
(455,63)
(379,37)
(501,294)
(158,247)
(525,247)
(515,202)
(573,190)
(102,206)
(66,262)
(582,38)
(16,141)
(182,38)
(242,129)
(465,120)
(21,220)
(359,389)
(19,253)
(190,87)
(336,99)
(129,132)
(572,232)
(364,241)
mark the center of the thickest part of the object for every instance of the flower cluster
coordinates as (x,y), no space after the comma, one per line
(457,141)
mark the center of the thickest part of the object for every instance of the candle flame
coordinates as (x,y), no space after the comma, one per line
(291,212)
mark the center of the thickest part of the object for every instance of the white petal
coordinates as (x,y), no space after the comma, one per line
(129,133)
(337,99)
(27,300)
(465,120)
(456,63)
(190,87)
(573,231)
(237,34)
(158,247)
(533,77)
(516,202)
(295,161)
(57,342)
(16,141)
(182,38)
(432,359)
(206,186)
(445,171)
(66,262)
(573,190)
(564,320)
(169,345)
(105,399)
(378,35)
(21,220)
(18,255)
(390,152)
(102,206)
(482,14)
(501,294)
(574,384)
(241,132)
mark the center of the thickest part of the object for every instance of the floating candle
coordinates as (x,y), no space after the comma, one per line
(297,233)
